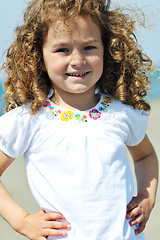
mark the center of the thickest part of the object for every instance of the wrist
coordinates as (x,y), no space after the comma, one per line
(20,224)
(150,198)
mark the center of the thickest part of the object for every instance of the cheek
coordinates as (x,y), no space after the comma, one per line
(97,64)
(56,66)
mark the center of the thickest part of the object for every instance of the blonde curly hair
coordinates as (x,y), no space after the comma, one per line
(125,66)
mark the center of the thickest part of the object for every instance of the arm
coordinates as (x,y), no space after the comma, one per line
(37,226)
(146,170)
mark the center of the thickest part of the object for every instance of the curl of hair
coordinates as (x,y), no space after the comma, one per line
(125,66)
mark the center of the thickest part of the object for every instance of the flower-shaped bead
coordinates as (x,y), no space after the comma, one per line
(95,114)
(67,115)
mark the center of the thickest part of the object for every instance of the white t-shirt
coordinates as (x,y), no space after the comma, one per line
(76,163)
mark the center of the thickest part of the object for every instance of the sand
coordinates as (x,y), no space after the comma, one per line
(16,183)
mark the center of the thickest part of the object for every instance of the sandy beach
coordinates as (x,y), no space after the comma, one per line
(16,183)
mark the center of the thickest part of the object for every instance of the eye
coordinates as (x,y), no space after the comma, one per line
(63,50)
(89,48)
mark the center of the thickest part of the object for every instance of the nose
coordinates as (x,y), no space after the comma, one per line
(77,59)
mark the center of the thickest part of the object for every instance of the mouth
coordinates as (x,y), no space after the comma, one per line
(77,74)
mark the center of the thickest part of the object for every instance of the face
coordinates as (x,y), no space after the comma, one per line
(73,57)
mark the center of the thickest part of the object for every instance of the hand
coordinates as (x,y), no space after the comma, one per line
(139,209)
(40,225)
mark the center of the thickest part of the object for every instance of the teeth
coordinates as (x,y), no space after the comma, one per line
(76,75)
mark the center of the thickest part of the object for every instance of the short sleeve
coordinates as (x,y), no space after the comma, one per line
(132,123)
(136,122)
(17,129)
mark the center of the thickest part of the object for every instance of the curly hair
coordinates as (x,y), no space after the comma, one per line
(125,66)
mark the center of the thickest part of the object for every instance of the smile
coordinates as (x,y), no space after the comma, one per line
(77,74)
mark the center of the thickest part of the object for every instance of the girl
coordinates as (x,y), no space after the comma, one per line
(74,141)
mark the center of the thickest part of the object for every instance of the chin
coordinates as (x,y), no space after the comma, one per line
(79,91)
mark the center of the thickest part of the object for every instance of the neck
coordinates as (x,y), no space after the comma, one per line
(82,101)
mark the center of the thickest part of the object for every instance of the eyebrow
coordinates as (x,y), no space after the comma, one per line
(91,41)
(63,43)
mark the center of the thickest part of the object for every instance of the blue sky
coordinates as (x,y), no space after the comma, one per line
(11,15)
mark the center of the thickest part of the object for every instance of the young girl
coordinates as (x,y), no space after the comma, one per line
(74,141)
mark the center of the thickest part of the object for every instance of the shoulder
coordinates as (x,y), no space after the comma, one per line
(19,117)
(132,121)
(18,111)
(17,129)
(119,111)
(126,121)
(128,113)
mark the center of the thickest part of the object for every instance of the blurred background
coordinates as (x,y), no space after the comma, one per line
(11,15)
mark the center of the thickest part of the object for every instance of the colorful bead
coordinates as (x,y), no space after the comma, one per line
(80,117)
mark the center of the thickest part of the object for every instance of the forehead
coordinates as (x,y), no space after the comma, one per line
(81,26)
